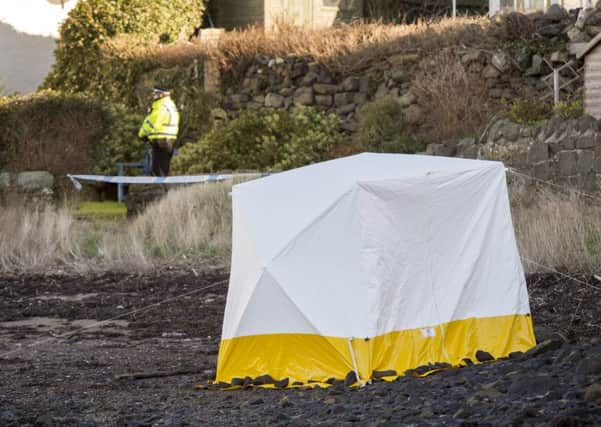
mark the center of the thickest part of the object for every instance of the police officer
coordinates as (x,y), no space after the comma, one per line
(160,129)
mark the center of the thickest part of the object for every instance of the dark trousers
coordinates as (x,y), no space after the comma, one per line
(162,151)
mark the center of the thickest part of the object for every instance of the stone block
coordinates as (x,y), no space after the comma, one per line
(364,85)
(324,100)
(585,160)
(304,96)
(360,98)
(238,99)
(4,180)
(597,164)
(490,72)
(467,148)
(325,89)
(382,91)
(309,79)
(343,98)
(345,109)
(274,100)
(585,141)
(539,152)
(447,150)
(35,181)
(567,143)
(350,84)
(542,170)
(568,162)
(501,61)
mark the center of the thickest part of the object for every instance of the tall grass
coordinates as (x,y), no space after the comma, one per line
(193,225)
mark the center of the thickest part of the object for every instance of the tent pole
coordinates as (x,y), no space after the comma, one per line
(352,351)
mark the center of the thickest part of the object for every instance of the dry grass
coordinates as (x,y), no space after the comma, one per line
(558,231)
(193,226)
(32,240)
(343,49)
(449,93)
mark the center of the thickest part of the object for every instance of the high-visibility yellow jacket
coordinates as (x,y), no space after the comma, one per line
(162,122)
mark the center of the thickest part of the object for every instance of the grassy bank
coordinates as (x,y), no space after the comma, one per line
(192,226)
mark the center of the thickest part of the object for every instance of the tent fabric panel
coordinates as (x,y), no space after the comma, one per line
(309,357)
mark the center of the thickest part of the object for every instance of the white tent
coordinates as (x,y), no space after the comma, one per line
(369,263)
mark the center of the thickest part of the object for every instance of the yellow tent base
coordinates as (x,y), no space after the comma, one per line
(315,360)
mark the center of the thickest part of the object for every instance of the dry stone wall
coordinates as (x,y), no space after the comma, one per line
(32,188)
(566,152)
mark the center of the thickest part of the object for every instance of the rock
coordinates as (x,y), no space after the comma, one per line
(523,58)
(501,61)
(350,379)
(283,383)
(381,374)
(274,100)
(490,72)
(585,161)
(284,402)
(590,366)
(555,13)
(537,67)
(325,89)
(343,98)
(568,161)
(324,100)
(529,385)
(309,79)
(263,380)
(559,56)
(256,401)
(414,115)
(343,110)
(4,180)
(593,393)
(437,149)
(467,148)
(382,91)
(543,347)
(577,36)
(407,99)
(398,76)
(551,30)
(360,98)
(350,84)
(304,96)
(475,55)
(329,401)
(483,356)
(34,181)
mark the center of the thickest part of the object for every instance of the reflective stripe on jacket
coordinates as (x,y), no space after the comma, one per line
(162,122)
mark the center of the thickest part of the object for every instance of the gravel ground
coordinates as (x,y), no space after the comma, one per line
(72,375)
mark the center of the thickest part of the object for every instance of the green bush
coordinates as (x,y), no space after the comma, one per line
(527,111)
(66,133)
(570,109)
(94,22)
(263,140)
(382,128)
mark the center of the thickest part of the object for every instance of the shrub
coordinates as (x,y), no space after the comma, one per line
(382,128)
(570,109)
(263,140)
(93,22)
(527,111)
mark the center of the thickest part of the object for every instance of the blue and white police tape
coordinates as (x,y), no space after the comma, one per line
(183,179)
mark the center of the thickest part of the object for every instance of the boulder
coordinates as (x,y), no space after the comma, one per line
(343,98)
(309,79)
(35,181)
(490,72)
